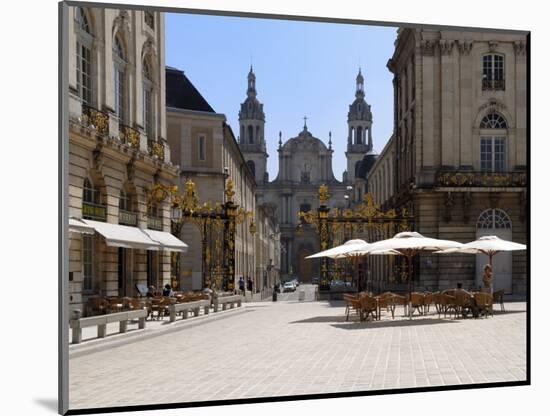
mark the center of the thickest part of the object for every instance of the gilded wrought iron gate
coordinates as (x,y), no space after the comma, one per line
(336,226)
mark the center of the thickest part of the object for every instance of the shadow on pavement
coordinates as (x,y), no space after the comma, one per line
(391,324)
(48,403)
(321,319)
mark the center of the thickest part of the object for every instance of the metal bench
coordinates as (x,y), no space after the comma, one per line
(185,307)
(77,323)
(227,300)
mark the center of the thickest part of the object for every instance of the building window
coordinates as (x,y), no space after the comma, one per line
(494,219)
(493,72)
(359,137)
(250,135)
(120,80)
(202,148)
(84,57)
(148,121)
(493,121)
(87,262)
(493,154)
(124,201)
(252,167)
(91,194)
(150,19)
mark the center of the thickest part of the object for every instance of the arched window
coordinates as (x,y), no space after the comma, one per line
(493,72)
(250,134)
(359,136)
(84,57)
(148,120)
(493,143)
(119,62)
(91,194)
(252,167)
(494,219)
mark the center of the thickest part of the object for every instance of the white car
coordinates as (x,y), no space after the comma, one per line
(289,287)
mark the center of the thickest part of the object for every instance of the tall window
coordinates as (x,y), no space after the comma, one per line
(120,80)
(91,194)
(148,100)
(493,143)
(359,137)
(84,57)
(494,219)
(87,262)
(250,134)
(493,72)
(202,148)
(124,201)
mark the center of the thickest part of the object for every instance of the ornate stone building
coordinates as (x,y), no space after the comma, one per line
(305,163)
(205,148)
(119,234)
(459,150)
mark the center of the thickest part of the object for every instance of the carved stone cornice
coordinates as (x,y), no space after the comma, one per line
(427,47)
(464,47)
(493,45)
(446,46)
(520,48)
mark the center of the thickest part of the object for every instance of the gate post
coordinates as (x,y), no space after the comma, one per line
(324,238)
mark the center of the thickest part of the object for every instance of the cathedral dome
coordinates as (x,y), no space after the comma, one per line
(366,164)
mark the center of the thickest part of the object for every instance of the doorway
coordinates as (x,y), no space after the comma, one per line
(495,222)
(125,280)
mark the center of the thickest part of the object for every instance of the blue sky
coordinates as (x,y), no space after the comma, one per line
(302,69)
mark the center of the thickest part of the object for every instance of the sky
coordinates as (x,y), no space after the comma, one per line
(303,69)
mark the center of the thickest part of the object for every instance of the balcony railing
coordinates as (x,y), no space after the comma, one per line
(92,117)
(154,223)
(95,212)
(129,136)
(482,179)
(493,84)
(127,218)
(156,149)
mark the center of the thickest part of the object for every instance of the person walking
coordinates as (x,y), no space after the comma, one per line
(487,279)
(241,285)
(250,284)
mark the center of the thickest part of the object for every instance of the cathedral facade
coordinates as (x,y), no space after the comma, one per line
(305,163)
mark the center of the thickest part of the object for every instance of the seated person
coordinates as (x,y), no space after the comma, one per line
(151,291)
(167,291)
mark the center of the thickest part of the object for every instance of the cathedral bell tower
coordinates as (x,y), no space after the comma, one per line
(251,139)
(359,130)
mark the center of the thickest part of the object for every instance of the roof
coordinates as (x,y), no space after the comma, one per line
(181,93)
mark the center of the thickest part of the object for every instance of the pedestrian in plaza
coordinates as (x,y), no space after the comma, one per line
(487,279)
(250,284)
(241,285)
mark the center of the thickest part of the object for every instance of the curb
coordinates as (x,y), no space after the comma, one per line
(118,340)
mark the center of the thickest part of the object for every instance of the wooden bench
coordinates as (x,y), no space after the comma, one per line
(101,322)
(185,307)
(227,300)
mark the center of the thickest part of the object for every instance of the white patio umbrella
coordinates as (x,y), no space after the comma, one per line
(409,244)
(489,245)
(350,249)
(342,250)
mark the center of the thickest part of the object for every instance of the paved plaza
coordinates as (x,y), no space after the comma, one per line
(293,348)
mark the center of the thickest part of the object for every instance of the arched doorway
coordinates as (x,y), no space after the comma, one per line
(495,222)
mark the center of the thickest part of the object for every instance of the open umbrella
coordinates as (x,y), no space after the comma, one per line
(489,245)
(409,244)
(351,249)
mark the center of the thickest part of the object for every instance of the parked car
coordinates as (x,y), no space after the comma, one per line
(289,287)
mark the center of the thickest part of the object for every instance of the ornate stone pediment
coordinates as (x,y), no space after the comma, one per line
(492,105)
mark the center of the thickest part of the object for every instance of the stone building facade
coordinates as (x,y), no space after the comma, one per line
(117,153)
(459,157)
(305,163)
(205,148)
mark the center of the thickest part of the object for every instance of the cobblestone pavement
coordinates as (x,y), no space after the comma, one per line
(293,348)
